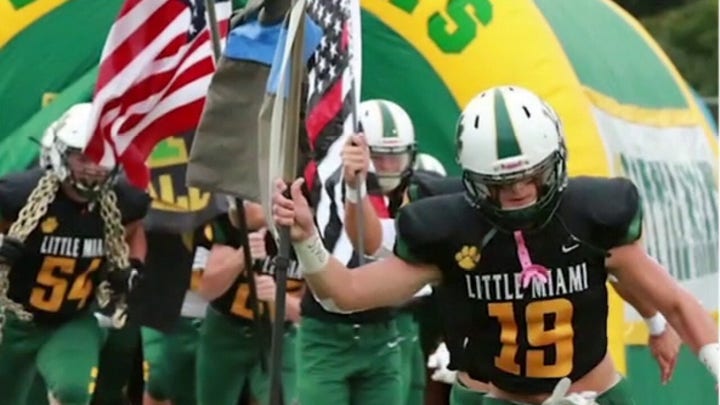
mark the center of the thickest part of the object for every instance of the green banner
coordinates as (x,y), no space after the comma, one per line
(46,46)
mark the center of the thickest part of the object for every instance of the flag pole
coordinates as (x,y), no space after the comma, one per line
(359,207)
(241,219)
(290,134)
(214,28)
(357,128)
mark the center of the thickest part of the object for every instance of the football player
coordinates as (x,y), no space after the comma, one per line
(527,248)
(389,141)
(228,349)
(447,360)
(62,221)
(169,360)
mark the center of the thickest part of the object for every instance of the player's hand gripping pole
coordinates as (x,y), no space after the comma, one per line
(260,320)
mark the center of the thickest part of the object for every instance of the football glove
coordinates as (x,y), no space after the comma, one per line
(559,395)
(440,361)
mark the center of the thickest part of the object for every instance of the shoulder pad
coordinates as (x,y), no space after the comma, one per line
(421,232)
(612,205)
(132,201)
(15,188)
(422,186)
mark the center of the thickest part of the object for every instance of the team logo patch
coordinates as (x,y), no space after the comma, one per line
(49,225)
(468,257)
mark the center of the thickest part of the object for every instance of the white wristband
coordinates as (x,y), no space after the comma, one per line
(709,355)
(354,195)
(312,255)
(656,324)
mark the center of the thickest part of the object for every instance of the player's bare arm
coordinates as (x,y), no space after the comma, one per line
(639,272)
(225,264)
(664,343)
(643,307)
(254,214)
(292,305)
(135,237)
(356,161)
(389,282)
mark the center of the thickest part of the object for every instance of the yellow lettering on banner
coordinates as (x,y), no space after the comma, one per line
(166,199)
(16,15)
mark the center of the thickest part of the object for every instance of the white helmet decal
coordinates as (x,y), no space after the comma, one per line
(390,134)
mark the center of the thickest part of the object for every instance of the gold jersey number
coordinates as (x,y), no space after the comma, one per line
(240,305)
(559,336)
(56,283)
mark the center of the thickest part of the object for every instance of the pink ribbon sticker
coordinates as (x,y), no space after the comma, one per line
(530,270)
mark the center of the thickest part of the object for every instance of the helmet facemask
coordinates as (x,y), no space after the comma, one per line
(87,178)
(392,165)
(550,179)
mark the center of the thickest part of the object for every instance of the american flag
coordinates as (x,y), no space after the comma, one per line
(333,72)
(154,73)
(330,74)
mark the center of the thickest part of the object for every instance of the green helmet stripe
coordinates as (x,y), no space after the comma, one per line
(389,127)
(507,143)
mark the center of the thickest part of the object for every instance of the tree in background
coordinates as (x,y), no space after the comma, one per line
(688,32)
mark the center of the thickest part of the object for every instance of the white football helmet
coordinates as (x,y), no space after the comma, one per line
(506,134)
(70,134)
(429,163)
(391,138)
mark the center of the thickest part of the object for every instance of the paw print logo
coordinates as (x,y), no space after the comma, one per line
(49,225)
(468,257)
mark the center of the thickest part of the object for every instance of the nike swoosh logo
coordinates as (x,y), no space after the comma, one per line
(568,249)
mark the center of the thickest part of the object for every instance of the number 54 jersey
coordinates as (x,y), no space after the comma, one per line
(54,277)
(524,339)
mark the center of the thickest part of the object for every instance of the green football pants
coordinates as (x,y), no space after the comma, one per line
(346,364)
(618,395)
(412,360)
(228,358)
(65,356)
(38,392)
(169,362)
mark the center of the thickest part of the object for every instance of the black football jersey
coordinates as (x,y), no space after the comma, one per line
(54,277)
(235,302)
(525,339)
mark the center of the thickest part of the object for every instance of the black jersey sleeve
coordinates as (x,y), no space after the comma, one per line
(15,188)
(423,185)
(419,231)
(133,202)
(615,209)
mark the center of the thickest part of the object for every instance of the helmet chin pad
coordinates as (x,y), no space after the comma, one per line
(90,192)
(389,182)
